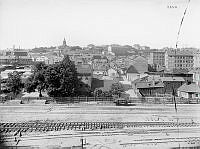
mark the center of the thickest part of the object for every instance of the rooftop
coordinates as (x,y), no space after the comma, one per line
(172,79)
(99,57)
(152,84)
(83,69)
(140,59)
(180,53)
(191,88)
(131,69)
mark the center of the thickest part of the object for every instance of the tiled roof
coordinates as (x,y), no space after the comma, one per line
(191,88)
(21,53)
(140,59)
(131,69)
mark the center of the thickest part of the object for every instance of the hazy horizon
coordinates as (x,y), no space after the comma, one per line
(44,23)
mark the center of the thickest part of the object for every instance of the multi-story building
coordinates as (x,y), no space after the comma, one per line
(18,57)
(196,54)
(180,60)
(98,61)
(157,57)
(196,75)
(47,58)
(85,73)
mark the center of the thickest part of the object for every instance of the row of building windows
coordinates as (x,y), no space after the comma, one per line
(183,61)
(184,57)
(182,65)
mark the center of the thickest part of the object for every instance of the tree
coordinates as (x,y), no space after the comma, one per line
(14,83)
(62,79)
(59,80)
(98,92)
(106,94)
(117,89)
(39,66)
(30,85)
(84,90)
(38,79)
(53,81)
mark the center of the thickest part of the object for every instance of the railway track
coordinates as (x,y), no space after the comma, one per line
(167,139)
(52,126)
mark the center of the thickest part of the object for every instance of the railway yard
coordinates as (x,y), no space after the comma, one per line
(96,126)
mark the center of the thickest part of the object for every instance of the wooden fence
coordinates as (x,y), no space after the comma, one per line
(165,100)
(61,100)
(67,100)
(144,100)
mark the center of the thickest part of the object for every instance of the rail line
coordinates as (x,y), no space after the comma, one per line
(109,133)
(168,139)
(53,126)
(105,133)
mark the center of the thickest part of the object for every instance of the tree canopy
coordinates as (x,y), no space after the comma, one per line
(59,80)
(29,85)
(62,79)
(14,83)
(117,89)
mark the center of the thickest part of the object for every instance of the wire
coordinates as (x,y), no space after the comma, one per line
(181,24)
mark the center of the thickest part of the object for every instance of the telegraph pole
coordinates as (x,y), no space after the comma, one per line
(82,143)
(0,80)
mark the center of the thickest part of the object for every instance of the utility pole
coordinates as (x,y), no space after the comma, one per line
(0,81)
(82,143)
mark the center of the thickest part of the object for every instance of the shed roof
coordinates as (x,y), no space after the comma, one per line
(191,88)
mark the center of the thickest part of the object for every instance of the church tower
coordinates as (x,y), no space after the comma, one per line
(64,43)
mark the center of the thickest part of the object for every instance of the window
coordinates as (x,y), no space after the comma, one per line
(196,95)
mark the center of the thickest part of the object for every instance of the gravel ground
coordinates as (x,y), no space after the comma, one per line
(129,138)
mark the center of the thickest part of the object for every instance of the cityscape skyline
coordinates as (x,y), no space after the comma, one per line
(30,24)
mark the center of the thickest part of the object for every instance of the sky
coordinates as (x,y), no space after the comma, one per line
(36,23)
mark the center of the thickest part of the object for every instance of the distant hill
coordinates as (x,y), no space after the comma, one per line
(123,50)
(42,49)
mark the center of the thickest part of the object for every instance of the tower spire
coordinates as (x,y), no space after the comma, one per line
(64,43)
